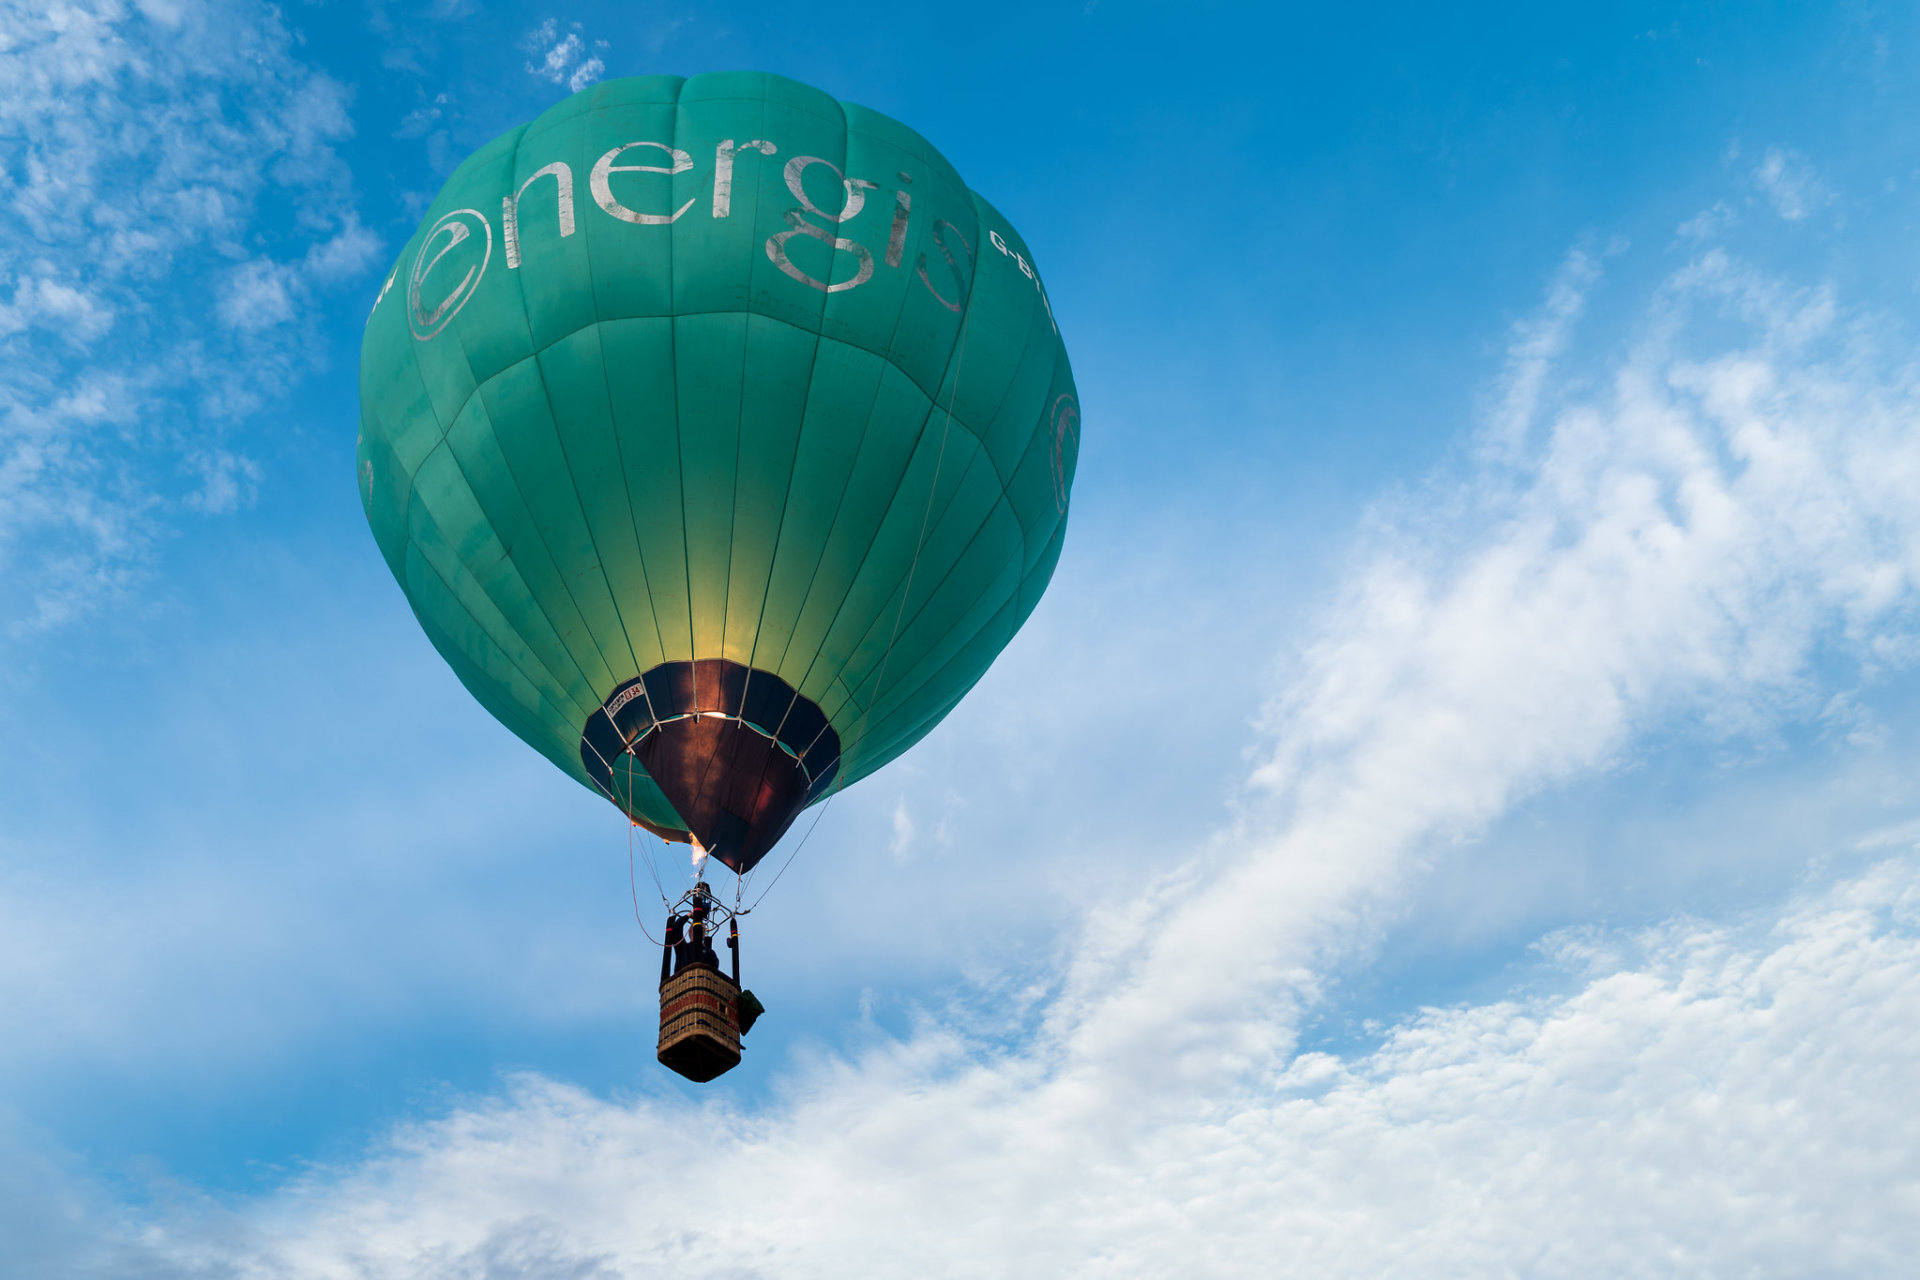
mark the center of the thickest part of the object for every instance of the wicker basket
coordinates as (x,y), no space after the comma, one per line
(699,1023)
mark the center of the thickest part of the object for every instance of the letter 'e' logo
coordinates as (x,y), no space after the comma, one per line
(451,232)
(1066,431)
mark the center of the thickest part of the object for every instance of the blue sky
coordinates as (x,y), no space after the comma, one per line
(1453,813)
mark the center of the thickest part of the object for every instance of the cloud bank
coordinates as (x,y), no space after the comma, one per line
(1708,1101)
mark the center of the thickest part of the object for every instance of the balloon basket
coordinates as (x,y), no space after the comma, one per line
(699,1023)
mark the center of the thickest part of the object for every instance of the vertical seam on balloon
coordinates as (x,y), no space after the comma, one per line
(933,593)
(912,688)
(853,582)
(818,336)
(620,614)
(906,590)
(846,483)
(985,454)
(680,453)
(740,409)
(413,495)
(786,501)
(900,316)
(739,433)
(839,510)
(626,495)
(552,682)
(533,596)
(1006,496)
(885,744)
(639,549)
(799,435)
(446,429)
(613,597)
(586,522)
(566,588)
(933,400)
(1005,499)
(510,714)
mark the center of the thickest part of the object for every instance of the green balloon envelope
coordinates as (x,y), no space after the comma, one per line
(720,438)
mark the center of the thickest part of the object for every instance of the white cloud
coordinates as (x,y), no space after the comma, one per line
(586,73)
(227,481)
(902,844)
(145,142)
(562,57)
(422,118)
(351,251)
(1537,342)
(1790,184)
(258,295)
(64,311)
(1708,223)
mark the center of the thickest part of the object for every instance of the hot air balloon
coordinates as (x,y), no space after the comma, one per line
(720,438)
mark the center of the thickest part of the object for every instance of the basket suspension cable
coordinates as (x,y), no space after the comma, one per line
(627,811)
(633,890)
(653,871)
(796,852)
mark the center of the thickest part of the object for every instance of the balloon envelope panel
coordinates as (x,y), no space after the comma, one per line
(722,380)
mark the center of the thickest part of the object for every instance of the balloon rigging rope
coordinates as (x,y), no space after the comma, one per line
(633,889)
(633,886)
(790,857)
(906,594)
(653,872)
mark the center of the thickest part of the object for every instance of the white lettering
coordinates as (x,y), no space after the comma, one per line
(940,227)
(510,209)
(897,238)
(856,198)
(456,226)
(856,189)
(777,251)
(723,172)
(605,167)
(1026,269)
(383,291)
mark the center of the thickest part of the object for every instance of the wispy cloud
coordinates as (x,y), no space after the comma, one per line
(562,57)
(1790,184)
(142,141)
(1536,343)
